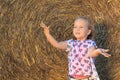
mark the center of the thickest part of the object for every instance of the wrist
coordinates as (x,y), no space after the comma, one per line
(46,33)
(99,51)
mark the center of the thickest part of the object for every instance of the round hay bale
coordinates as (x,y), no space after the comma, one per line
(25,54)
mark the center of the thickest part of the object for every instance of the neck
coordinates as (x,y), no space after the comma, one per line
(81,39)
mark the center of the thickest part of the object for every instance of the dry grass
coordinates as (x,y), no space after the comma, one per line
(26,55)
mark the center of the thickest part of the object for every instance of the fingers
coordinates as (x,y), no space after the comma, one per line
(42,25)
(46,29)
(104,52)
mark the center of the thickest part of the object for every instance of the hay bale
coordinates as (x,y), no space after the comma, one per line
(25,53)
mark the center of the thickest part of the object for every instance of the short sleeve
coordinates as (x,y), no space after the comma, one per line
(69,45)
(92,43)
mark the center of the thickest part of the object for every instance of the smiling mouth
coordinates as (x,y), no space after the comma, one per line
(77,33)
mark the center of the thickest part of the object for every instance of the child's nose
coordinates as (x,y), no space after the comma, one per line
(78,29)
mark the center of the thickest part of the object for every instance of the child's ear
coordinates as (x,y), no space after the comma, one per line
(89,31)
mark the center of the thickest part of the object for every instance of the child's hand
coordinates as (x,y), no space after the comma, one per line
(46,29)
(104,52)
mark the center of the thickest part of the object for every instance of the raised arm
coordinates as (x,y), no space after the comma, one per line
(51,39)
(96,52)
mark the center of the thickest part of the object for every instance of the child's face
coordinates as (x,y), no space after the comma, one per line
(80,29)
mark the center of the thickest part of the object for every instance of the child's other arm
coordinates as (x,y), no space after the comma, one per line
(51,39)
(55,43)
(96,52)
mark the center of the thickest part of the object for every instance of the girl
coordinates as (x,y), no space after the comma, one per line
(81,50)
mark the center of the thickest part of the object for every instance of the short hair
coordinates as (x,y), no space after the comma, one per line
(84,18)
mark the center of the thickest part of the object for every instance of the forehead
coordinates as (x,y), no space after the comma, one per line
(81,22)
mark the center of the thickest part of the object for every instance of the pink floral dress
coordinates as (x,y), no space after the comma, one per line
(80,64)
